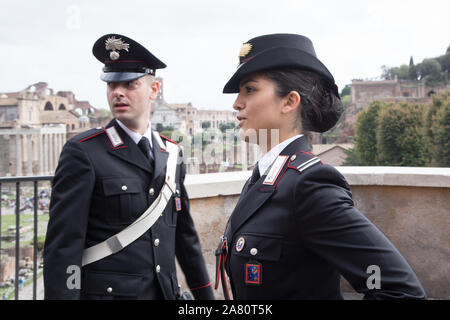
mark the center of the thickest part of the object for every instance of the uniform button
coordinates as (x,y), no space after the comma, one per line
(151,191)
(156,242)
(109,290)
(293,157)
(253,251)
(124,188)
(158,268)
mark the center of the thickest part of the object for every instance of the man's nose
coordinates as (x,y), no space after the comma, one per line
(118,91)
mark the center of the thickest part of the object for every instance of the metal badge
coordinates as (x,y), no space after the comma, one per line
(245,50)
(240,244)
(115,44)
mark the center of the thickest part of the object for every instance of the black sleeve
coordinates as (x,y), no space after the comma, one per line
(334,229)
(188,249)
(72,187)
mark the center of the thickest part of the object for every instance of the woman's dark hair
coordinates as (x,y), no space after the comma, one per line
(319,108)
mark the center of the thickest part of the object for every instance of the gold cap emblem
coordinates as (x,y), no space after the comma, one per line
(245,50)
(115,44)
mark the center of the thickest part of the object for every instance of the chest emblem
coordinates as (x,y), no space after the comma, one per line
(253,273)
(240,244)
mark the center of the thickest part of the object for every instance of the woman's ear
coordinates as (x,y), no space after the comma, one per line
(291,102)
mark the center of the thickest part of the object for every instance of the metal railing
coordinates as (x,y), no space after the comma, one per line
(18,181)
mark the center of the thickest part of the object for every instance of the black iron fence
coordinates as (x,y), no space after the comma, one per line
(30,203)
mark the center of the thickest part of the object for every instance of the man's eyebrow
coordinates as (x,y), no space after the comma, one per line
(244,82)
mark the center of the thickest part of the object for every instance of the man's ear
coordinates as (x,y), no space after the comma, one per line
(291,102)
(154,90)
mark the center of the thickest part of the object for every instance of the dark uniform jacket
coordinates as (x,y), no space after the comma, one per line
(293,239)
(98,190)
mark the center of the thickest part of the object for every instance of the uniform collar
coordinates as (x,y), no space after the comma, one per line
(266,161)
(136,137)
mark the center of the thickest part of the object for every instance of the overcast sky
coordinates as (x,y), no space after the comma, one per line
(199,40)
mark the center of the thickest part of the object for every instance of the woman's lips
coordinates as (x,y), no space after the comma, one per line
(241,121)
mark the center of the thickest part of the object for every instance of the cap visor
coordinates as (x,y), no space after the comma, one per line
(121,76)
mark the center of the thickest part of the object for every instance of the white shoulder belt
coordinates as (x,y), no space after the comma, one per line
(145,221)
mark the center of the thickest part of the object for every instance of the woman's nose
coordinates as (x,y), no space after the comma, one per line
(238,104)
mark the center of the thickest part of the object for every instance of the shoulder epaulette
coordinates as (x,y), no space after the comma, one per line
(89,134)
(303,160)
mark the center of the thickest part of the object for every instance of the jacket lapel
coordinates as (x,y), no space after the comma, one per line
(161,157)
(249,203)
(259,193)
(128,151)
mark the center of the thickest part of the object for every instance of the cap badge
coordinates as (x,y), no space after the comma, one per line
(115,44)
(245,50)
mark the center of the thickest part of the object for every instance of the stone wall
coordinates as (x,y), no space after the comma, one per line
(409,205)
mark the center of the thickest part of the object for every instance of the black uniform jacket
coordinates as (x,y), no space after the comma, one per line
(98,190)
(294,238)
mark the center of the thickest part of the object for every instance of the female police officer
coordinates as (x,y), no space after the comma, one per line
(295,229)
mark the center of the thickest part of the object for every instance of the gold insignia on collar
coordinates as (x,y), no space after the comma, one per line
(115,44)
(245,49)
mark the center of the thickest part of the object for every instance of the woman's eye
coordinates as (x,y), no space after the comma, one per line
(249,89)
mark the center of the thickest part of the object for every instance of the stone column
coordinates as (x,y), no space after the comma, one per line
(244,155)
(28,146)
(46,153)
(59,147)
(40,154)
(18,155)
(51,154)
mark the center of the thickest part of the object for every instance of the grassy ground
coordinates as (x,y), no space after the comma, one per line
(26,220)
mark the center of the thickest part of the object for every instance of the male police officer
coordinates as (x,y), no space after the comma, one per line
(110,186)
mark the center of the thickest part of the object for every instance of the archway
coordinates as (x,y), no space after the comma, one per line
(48,106)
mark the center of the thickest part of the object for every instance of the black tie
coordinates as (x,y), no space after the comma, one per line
(144,145)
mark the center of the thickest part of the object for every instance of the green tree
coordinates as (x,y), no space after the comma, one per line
(438,130)
(444,61)
(366,137)
(206,124)
(352,158)
(430,70)
(225,126)
(346,91)
(413,74)
(401,72)
(400,136)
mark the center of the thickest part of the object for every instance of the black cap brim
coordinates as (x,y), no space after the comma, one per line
(270,59)
(121,76)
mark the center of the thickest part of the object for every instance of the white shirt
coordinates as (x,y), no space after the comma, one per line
(266,161)
(136,137)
